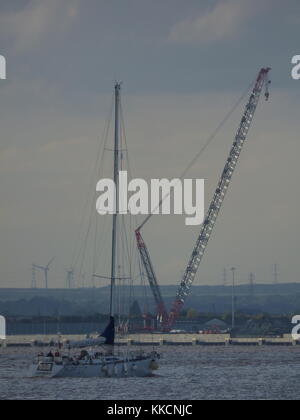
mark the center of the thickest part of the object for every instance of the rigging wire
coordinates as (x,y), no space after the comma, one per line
(129,239)
(131,218)
(100,157)
(104,137)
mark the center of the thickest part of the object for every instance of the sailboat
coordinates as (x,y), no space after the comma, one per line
(97,357)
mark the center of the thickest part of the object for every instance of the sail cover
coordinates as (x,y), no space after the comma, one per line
(109,332)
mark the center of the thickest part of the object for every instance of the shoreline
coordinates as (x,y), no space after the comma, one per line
(157,339)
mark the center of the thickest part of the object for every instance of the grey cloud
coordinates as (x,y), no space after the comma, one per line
(27,27)
(224,21)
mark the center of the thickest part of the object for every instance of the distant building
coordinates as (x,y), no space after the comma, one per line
(215,325)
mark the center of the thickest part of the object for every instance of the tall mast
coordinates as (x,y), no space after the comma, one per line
(116,180)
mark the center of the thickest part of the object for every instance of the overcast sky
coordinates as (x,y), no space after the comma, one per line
(183,65)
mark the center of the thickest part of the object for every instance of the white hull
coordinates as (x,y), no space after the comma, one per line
(107,367)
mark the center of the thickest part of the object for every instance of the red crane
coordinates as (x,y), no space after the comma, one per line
(162,312)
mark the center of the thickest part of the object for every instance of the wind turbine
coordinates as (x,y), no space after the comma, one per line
(70,278)
(45,270)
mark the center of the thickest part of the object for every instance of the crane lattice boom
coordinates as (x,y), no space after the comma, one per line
(220,193)
(147,263)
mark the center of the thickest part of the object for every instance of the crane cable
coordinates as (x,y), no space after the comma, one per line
(202,150)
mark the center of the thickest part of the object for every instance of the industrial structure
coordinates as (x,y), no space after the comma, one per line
(168,319)
(251,284)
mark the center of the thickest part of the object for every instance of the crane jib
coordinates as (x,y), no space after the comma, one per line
(146,260)
(220,193)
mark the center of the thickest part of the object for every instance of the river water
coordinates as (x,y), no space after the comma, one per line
(186,373)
